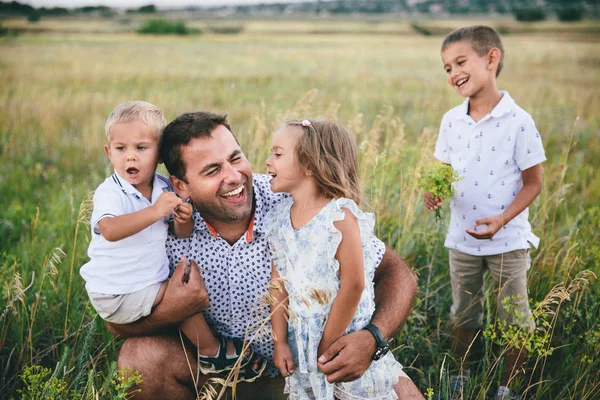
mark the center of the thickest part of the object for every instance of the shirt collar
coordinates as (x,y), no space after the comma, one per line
(158,186)
(257,221)
(504,106)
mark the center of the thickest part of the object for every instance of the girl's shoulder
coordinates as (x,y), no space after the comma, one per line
(277,213)
(341,206)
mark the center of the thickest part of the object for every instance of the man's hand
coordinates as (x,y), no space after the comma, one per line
(183,212)
(181,300)
(187,291)
(432,203)
(348,358)
(166,203)
(494,224)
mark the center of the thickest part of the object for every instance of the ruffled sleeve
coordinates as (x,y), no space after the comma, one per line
(366,224)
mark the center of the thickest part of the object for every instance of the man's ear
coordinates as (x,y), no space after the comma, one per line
(494,56)
(107,151)
(180,187)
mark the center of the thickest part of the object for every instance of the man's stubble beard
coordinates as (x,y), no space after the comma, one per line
(222,214)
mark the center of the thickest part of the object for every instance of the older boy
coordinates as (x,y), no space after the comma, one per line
(496,148)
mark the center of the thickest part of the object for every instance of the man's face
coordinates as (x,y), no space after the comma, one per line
(219,177)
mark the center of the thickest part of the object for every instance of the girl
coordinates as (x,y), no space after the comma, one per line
(322,250)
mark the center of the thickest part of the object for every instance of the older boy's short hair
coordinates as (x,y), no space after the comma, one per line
(137,111)
(482,38)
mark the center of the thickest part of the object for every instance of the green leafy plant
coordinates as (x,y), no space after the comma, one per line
(438,179)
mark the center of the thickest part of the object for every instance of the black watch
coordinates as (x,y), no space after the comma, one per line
(382,344)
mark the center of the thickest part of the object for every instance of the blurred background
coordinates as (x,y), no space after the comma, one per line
(375,67)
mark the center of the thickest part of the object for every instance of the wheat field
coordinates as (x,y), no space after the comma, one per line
(386,83)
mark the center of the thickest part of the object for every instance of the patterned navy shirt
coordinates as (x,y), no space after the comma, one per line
(237,276)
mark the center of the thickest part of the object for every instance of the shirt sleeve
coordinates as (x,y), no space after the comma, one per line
(441,146)
(107,203)
(379,248)
(529,150)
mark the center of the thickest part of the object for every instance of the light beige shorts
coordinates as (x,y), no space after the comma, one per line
(125,308)
(509,276)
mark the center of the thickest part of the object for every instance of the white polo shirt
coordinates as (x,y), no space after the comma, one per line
(133,263)
(489,155)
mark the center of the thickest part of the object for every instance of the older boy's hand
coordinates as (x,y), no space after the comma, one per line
(183,212)
(432,203)
(494,224)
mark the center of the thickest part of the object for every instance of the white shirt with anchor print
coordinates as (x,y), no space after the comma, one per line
(490,156)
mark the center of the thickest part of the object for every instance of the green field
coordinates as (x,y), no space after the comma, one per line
(380,79)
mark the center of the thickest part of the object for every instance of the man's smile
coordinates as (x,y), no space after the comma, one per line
(234,192)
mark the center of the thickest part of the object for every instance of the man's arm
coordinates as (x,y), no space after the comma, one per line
(183,298)
(395,287)
(349,357)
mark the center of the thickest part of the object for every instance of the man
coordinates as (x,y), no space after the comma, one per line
(208,166)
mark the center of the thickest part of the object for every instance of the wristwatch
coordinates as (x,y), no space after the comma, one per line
(382,344)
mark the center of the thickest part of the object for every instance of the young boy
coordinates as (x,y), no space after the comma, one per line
(496,148)
(126,276)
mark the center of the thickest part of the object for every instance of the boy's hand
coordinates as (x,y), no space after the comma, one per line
(432,203)
(282,358)
(183,212)
(166,203)
(494,224)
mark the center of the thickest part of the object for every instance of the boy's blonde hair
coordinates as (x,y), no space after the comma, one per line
(481,38)
(137,111)
(328,152)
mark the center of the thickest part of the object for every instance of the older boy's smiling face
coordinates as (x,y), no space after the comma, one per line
(467,71)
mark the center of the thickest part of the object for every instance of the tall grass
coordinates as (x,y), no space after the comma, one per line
(57,90)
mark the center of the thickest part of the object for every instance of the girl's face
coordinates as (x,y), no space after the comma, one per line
(283,166)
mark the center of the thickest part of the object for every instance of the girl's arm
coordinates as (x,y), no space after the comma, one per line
(283,356)
(352,281)
(123,226)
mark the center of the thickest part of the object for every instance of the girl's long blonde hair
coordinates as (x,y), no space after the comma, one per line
(328,152)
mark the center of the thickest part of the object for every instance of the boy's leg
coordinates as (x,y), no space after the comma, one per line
(509,272)
(466,314)
(196,329)
(168,367)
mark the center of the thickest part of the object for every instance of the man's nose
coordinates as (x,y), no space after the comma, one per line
(232,175)
(131,156)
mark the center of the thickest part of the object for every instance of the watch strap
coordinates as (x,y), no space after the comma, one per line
(382,344)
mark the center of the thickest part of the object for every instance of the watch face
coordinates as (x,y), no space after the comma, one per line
(380,352)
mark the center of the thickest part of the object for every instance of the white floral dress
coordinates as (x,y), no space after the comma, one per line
(305,259)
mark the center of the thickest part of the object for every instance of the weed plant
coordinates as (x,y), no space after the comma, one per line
(390,90)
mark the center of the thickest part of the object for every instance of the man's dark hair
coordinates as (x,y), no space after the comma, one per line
(181,131)
(481,38)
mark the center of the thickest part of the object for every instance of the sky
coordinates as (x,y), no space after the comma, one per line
(137,3)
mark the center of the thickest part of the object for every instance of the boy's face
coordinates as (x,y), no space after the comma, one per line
(133,151)
(468,72)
